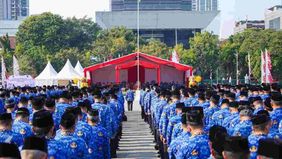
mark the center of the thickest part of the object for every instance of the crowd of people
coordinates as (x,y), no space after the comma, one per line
(217,122)
(60,122)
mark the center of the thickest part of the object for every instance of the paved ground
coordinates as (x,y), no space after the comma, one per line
(137,141)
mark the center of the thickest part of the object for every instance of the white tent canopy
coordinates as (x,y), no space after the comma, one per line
(47,76)
(68,72)
(79,69)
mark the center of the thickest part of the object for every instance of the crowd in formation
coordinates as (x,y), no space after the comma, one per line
(220,121)
(61,123)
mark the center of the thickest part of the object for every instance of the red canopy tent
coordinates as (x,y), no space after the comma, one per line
(151,68)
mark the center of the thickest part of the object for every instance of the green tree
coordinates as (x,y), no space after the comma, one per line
(5,44)
(156,48)
(205,47)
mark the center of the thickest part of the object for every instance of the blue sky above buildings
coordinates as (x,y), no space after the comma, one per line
(231,10)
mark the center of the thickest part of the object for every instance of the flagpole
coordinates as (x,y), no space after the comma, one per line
(138,44)
(249,64)
(237,68)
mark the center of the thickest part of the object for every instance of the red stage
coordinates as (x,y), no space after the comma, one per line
(151,68)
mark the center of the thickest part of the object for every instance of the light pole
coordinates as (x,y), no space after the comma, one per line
(138,44)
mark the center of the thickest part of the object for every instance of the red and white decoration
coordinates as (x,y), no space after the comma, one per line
(174,57)
(266,67)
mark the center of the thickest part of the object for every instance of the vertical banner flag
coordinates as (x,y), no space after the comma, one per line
(3,72)
(262,68)
(16,68)
(268,67)
(174,57)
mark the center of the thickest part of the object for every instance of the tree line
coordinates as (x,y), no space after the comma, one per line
(50,37)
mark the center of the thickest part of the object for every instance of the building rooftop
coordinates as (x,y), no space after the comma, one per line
(156,19)
(276,7)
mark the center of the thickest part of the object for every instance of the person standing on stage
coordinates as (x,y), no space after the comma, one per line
(129,98)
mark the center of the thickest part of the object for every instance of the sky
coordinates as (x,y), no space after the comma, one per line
(231,10)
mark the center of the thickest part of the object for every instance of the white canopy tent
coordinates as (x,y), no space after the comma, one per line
(79,69)
(47,76)
(67,73)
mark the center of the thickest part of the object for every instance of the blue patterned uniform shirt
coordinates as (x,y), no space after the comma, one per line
(254,143)
(22,128)
(243,128)
(8,136)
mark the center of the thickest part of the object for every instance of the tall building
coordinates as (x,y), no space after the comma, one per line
(240,26)
(204,5)
(273,18)
(14,9)
(171,21)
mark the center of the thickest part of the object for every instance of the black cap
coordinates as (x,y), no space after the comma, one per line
(260,119)
(244,93)
(225,101)
(196,109)
(68,120)
(275,96)
(244,103)
(184,118)
(234,104)
(50,103)
(9,151)
(10,103)
(217,136)
(231,95)
(180,105)
(258,98)
(35,143)
(236,144)
(42,119)
(22,111)
(81,104)
(263,112)
(93,112)
(5,116)
(271,148)
(194,119)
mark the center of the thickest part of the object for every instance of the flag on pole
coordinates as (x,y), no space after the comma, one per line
(16,67)
(3,72)
(262,67)
(268,67)
(174,57)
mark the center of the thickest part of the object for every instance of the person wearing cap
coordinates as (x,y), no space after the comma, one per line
(34,148)
(174,120)
(50,105)
(10,105)
(276,114)
(75,147)
(183,136)
(63,103)
(192,100)
(21,123)
(269,149)
(197,146)
(9,151)
(236,147)
(219,116)
(23,103)
(99,146)
(43,127)
(217,135)
(6,133)
(147,103)
(202,101)
(243,96)
(258,104)
(159,107)
(261,126)
(37,104)
(244,127)
(104,113)
(211,110)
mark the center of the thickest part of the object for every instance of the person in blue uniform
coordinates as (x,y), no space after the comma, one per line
(21,123)
(211,110)
(6,133)
(217,135)
(37,105)
(74,146)
(258,104)
(173,121)
(219,116)
(183,136)
(197,146)
(10,106)
(23,103)
(99,142)
(192,100)
(236,147)
(62,104)
(129,98)
(202,101)
(276,114)
(43,127)
(244,127)
(261,126)
(9,151)
(269,148)
(34,147)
